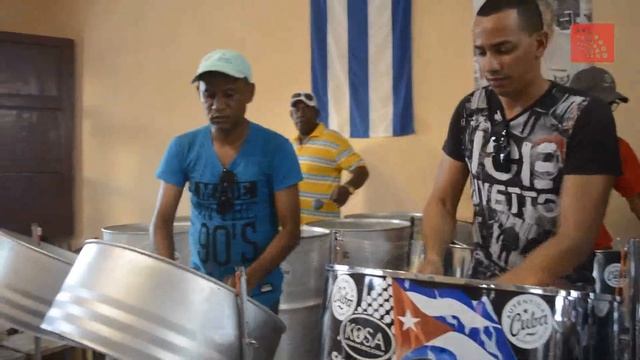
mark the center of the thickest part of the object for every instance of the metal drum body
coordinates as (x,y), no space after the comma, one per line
(457,262)
(138,236)
(378,314)
(30,277)
(302,293)
(606,271)
(130,304)
(375,243)
(631,293)
(182,220)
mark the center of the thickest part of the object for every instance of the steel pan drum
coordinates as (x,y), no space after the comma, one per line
(30,276)
(138,236)
(302,293)
(458,255)
(182,220)
(378,314)
(376,243)
(606,271)
(131,304)
(631,294)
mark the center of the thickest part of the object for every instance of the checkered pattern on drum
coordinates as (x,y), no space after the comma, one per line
(377,299)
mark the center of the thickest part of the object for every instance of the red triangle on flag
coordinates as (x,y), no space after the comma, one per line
(412,328)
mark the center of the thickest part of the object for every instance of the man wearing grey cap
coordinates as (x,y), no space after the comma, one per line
(243,183)
(600,83)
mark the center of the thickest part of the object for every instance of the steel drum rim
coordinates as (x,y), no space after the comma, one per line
(479,283)
(192,271)
(320,232)
(3,235)
(458,245)
(113,229)
(63,338)
(393,215)
(302,304)
(606,251)
(397,224)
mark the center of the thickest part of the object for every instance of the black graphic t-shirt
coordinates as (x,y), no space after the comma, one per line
(516,202)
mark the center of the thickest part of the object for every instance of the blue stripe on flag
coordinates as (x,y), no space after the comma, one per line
(402,78)
(319,56)
(359,67)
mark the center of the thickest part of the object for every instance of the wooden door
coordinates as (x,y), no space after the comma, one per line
(36,133)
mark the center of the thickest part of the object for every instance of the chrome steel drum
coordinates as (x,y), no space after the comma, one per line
(30,276)
(458,261)
(415,219)
(138,236)
(377,314)
(606,271)
(376,243)
(463,237)
(464,233)
(412,217)
(182,220)
(302,293)
(131,304)
(631,294)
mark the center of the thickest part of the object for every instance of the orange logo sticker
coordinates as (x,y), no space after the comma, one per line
(592,43)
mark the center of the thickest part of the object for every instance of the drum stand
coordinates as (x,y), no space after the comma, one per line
(247,344)
(337,254)
(36,235)
(37,348)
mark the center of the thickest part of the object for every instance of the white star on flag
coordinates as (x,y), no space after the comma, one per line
(408,321)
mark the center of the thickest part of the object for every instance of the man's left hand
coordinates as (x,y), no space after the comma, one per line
(340,195)
(234,282)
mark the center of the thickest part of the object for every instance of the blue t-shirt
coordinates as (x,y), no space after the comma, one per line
(266,163)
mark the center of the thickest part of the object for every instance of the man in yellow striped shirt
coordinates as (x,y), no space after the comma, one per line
(323,155)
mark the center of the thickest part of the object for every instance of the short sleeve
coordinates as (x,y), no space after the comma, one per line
(592,148)
(453,144)
(172,166)
(285,167)
(628,184)
(346,157)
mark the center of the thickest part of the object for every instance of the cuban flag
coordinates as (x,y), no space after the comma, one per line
(361,66)
(445,324)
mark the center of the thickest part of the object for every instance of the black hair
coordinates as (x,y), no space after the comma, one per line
(529,14)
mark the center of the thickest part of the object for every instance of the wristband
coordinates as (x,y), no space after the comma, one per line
(350,188)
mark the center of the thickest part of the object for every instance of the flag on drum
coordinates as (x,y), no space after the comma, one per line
(445,324)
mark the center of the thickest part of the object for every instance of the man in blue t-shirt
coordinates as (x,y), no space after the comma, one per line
(243,183)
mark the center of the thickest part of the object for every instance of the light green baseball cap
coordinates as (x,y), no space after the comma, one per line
(226,61)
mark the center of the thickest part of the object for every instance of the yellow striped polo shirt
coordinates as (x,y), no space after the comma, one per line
(322,156)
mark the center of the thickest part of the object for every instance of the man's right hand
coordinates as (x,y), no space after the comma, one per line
(431,266)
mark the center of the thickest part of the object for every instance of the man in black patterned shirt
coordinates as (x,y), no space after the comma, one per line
(542,160)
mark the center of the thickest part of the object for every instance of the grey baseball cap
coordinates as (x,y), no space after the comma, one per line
(597,82)
(226,61)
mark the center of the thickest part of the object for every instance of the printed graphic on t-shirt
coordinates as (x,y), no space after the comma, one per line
(217,231)
(516,206)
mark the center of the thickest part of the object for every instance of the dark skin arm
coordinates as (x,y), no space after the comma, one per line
(162,223)
(634,204)
(288,209)
(341,194)
(583,201)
